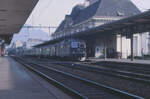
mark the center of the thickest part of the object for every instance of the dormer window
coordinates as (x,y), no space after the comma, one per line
(89,2)
(120,13)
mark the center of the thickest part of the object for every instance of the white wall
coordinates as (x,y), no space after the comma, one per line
(108,41)
(99,48)
(140,45)
(144,42)
(149,44)
(123,45)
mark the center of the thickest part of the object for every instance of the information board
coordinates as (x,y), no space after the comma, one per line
(74,44)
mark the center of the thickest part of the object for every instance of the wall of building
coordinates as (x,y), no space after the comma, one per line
(140,45)
(99,47)
(123,46)
(149,43)
(106,41)
(118,44)
(113,44)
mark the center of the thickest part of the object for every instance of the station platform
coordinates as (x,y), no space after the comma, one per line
(136,61)
(17,82)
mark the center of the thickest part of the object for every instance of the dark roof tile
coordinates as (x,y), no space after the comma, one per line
(102,8)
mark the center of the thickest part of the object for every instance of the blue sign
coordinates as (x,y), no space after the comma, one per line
(74,44)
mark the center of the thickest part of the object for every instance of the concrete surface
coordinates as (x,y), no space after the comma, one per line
(16,82)
(136,61)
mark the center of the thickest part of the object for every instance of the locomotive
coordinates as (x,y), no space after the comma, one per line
(72,49)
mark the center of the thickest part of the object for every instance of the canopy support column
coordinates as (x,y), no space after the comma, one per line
(132,50)
(105,50)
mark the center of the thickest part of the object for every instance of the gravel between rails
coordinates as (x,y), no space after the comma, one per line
(139,68)
(90,90)
(122,84)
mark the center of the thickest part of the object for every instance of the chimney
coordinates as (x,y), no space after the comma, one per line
(89,2)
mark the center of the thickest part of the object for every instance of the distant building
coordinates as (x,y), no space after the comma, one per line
(94,13)
(32,42)
(17,44)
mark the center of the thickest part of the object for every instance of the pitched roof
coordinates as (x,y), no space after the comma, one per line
(102,8)
(113,7)
(87,13)
(61,26)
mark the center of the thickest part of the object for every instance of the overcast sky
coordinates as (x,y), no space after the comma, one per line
(52,12)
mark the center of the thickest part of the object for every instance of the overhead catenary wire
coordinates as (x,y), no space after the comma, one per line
(45,7)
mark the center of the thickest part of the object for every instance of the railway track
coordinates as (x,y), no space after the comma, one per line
(138,68)
(123,67)
(82,87)
(129,84)
(143,78)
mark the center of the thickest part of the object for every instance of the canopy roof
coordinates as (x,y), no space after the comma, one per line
(135,24)
(13,15)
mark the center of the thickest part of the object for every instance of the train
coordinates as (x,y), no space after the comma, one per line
(2,52)
(70,49)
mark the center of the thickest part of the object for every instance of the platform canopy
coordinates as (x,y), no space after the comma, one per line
(134,24)
(13,15)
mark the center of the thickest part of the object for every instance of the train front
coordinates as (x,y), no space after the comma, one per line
(78,50)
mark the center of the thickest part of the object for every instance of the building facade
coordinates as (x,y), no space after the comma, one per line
(32,42)
(94,13)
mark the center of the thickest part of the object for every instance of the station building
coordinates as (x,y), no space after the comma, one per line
(94,13)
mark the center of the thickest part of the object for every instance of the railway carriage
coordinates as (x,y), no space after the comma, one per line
(74,49)
(71,49)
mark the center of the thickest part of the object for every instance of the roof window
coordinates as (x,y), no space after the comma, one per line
(120,13)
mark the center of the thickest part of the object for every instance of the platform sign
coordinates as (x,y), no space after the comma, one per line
(74,44)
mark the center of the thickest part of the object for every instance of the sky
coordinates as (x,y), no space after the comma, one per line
(46,13)
(142,4)
(52,12)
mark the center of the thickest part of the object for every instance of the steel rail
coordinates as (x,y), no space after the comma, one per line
(64,88)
